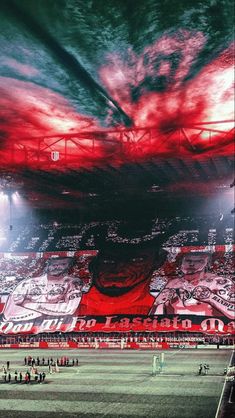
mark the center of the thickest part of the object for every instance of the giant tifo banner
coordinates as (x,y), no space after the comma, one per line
(187,289)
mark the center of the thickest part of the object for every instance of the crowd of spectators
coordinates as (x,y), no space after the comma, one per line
(16,268)
(187,231)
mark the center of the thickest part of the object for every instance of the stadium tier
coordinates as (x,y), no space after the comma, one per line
(180,231)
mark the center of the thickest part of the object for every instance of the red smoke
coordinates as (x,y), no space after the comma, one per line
(31,111)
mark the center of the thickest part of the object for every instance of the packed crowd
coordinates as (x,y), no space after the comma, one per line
(55,236)
(16,268)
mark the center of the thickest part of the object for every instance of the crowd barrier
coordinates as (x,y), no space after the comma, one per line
(101,345)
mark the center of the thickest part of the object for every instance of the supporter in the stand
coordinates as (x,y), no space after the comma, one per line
(55,293)
(196,291)
(121,274)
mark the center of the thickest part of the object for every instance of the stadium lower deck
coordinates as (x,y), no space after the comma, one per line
(120,383)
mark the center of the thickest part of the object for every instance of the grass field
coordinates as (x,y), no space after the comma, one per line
(116,384)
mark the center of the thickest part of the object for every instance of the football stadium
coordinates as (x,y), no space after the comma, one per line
(117,285)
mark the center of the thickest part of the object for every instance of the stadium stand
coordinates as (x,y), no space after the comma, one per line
(189,231)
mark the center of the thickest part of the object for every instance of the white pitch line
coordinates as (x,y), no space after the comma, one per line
(230,397)
(222,393)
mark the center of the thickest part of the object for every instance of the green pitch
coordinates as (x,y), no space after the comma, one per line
(116,384)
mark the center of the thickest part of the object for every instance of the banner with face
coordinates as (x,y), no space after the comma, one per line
(53,291)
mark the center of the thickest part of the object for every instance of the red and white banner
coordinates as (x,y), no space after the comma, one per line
(118,323)
(95,345)
(193,290)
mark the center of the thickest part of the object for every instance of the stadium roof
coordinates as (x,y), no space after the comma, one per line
(116,101)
